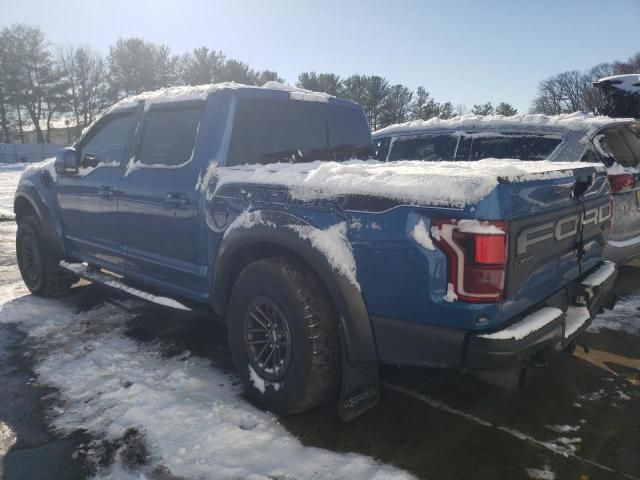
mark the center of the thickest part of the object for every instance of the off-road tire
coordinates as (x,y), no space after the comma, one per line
(313,374)
(38,262)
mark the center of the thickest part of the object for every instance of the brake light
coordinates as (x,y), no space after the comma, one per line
(490,249)
(622,182)
(476,257)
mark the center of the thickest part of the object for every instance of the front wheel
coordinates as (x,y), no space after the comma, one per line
(284,336)
(37,261)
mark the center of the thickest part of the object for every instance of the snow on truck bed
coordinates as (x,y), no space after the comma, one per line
(578,121)
(453,184)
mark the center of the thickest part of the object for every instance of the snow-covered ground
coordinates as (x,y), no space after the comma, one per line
(624,317)
(193,419)
(9,177)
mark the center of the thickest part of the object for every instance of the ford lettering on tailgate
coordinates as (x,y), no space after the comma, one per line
(564,228)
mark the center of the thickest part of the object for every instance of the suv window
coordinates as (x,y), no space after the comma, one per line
(428,148)
(505,145)
(108,141)
(269,131)
(169,136)
(620,145)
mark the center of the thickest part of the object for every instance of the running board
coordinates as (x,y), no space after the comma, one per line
(111,281)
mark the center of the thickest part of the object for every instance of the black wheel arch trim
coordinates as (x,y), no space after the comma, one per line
(35,201)
(355,323)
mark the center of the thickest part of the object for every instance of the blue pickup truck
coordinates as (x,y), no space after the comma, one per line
(262,206)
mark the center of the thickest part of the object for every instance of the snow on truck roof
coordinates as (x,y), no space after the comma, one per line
(579,122)
(451,184)
(201,92)
(629,83)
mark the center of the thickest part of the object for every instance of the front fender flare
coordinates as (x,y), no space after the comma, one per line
(51,228)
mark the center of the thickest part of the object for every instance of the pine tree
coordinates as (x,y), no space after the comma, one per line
(506,109)
(483,109)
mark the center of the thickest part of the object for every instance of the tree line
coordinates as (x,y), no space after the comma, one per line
(41,83)
(573,90)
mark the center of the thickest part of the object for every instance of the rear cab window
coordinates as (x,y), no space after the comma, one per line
(464,146)
(425,147)
(510,145)
(272,130)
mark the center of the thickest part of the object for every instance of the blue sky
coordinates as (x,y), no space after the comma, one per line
(466,51)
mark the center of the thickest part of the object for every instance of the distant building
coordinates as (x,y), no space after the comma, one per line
(63,131)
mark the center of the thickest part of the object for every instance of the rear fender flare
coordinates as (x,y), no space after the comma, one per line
(355,324)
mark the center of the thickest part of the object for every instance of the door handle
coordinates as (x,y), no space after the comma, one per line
(106,192)
(178,200)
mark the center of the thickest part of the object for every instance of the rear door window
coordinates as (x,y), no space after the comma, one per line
(518,146)
(427,148)
(169,136)
(270,131)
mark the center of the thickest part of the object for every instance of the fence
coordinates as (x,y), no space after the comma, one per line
(27,152)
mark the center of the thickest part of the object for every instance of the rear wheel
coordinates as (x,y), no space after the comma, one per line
(284,336)
(37,261)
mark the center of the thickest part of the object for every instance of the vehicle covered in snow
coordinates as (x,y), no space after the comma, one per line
(262,205)
(562,138)
(620,95)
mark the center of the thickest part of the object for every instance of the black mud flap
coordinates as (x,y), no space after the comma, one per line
(360,389)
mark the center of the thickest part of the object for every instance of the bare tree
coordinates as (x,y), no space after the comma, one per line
(85,72)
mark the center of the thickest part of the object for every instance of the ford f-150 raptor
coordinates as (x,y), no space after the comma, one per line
(261,205)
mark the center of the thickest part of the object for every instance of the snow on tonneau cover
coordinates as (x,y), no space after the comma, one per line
(543,203)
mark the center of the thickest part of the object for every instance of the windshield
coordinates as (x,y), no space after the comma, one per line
(269,131)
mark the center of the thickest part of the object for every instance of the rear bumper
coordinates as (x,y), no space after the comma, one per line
(622,252)
(549,327)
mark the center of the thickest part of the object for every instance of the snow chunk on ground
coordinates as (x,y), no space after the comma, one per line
(426,183)
(625,317)
(334,245)
(195,423)
(421,235)
(563,428)
(538,474)
(529,324)
(7,440)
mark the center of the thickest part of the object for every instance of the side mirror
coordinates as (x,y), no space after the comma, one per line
(67,161)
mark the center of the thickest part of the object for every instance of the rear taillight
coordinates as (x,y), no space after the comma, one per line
(476,257)
(622,182)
